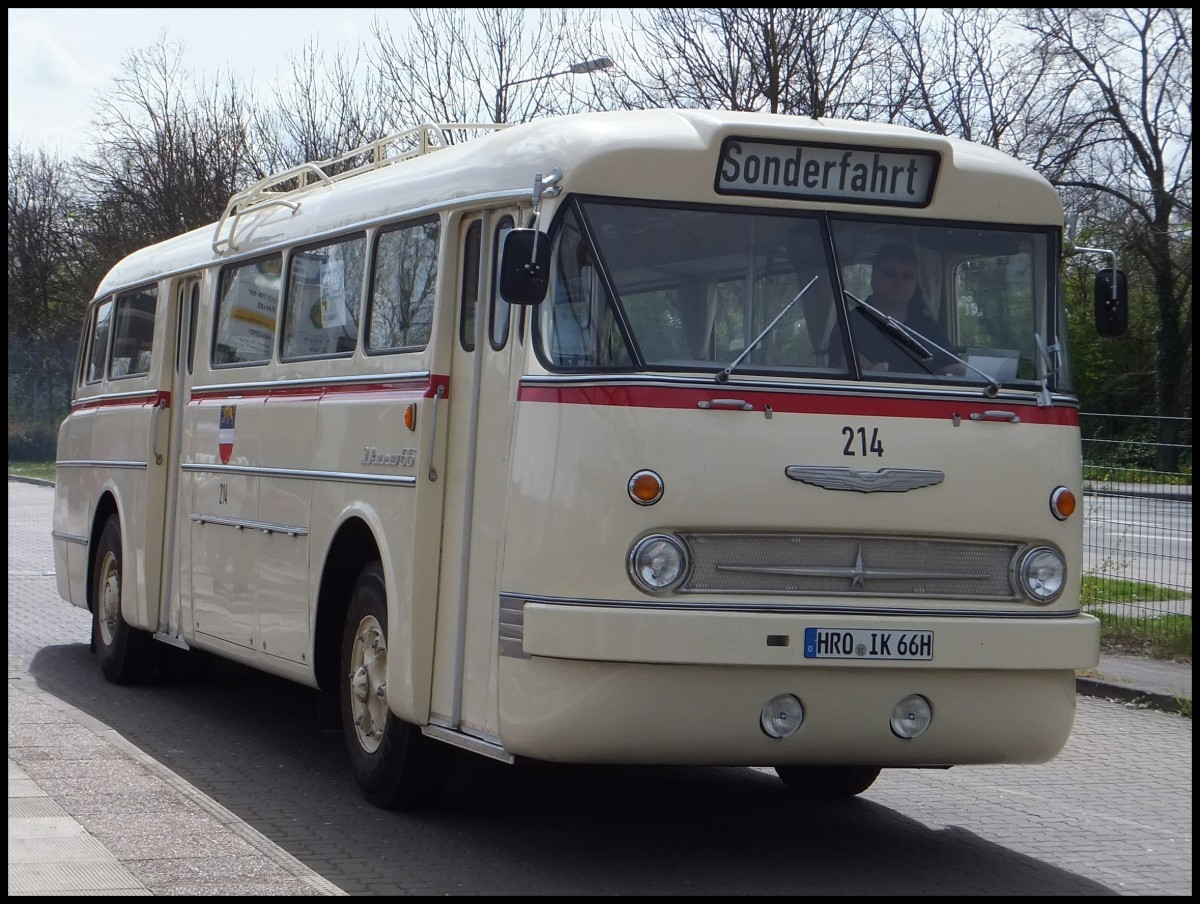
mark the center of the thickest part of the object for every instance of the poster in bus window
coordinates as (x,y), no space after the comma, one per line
(250,305)
(320,322)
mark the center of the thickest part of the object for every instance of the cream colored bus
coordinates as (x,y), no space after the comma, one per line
(574,441)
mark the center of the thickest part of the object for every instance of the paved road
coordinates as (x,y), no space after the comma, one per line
(1110,816)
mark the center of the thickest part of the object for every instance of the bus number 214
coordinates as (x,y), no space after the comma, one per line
(875,445)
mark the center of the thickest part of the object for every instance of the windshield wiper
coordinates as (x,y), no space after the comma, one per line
(904,335)
(911,339)
(723,376)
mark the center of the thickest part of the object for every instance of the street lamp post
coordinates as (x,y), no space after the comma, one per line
(574,69)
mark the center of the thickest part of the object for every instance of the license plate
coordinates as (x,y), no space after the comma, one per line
(859,643)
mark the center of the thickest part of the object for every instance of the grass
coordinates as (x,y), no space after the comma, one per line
(1120,473)
(1167,636)
(43,470)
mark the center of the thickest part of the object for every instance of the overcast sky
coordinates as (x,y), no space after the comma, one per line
(58,59)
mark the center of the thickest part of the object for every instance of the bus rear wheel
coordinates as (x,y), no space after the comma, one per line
(828,781)
(125,652)
(396,766)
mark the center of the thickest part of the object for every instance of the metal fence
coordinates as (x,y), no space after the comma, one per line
(1137,527)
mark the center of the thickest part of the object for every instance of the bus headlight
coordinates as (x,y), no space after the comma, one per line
(657,563)
(1043,574)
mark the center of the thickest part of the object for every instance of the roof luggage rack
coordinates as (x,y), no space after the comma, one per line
(277,190)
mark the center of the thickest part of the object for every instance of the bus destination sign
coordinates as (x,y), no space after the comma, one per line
(825,172)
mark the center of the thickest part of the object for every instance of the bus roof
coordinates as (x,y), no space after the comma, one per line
(669,155)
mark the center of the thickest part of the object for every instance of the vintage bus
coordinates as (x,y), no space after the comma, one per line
(560,441)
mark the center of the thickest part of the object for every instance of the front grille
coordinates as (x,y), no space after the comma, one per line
(850,565)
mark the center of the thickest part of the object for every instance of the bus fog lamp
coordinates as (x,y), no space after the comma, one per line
(911,717)
(657,563)
(781,717)
(1043,574)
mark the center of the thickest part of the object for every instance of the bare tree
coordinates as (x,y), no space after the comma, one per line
(328,109)
(499,65)
(170,151)
(1130,143)
(972,74)
(808,61)
(45,298)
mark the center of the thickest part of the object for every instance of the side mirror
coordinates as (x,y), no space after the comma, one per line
(525,266)
(1112,303)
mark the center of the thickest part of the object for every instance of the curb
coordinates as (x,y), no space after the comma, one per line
(1090,687)
(36,481)
(1181,492)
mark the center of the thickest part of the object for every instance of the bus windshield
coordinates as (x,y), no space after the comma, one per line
(652,287)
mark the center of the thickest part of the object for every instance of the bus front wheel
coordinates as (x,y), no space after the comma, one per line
(125,652)
(828,781)
(396,767)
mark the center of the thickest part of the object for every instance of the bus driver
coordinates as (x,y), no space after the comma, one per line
(895,292)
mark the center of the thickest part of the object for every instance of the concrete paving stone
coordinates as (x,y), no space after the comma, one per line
(44,827)
(246,866)
(85,805)
(34,808)
(80,848)
(24,787)
(274,888)
(68,740)
(68,878)
(166,836)
(99,778)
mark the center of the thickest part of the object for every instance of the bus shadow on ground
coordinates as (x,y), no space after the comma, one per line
(251,742)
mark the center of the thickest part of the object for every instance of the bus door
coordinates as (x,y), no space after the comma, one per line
(168,432)
(481,414)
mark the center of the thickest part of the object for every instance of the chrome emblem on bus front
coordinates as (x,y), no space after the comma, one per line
(886,480)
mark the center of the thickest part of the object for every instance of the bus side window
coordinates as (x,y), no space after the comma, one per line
(133,339)
(246,303)
(98,342)
(321,306)
(403,284)
(499,310)
(195,310)
(472,249)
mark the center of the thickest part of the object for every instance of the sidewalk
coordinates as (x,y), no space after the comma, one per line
(1138,679)
(89,813)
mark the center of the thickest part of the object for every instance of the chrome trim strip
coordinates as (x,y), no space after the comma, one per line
(148,394)
(68,538)
(858,573)
(298,474)
(885,480)
(97,463)
(760,609)
(800,383)
(478,744)
(415,376)
(511,633)
(265,527)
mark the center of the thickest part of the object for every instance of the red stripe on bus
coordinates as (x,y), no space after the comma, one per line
(148,398)
(792,402)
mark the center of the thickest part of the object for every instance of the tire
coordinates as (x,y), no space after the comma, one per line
(396,767)
(828,781)
(126,653)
